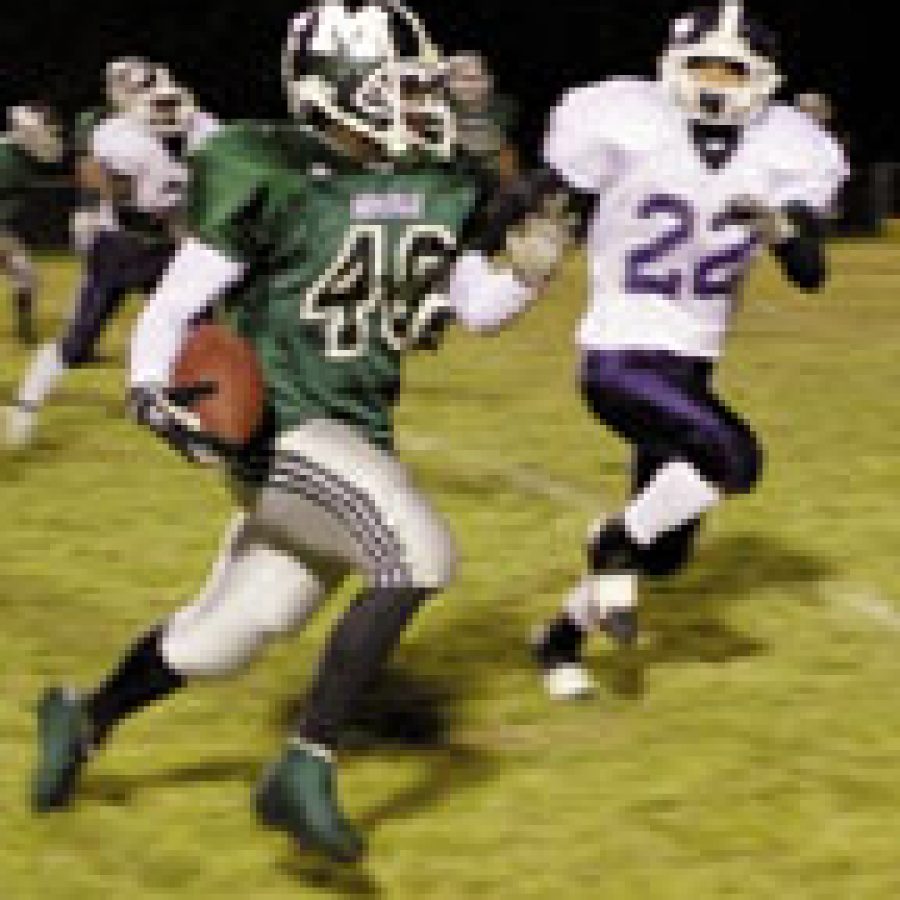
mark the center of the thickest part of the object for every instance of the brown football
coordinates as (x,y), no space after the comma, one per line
(230,391)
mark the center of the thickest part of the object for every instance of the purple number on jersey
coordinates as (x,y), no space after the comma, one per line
(640,279)
(719,274)
(713,276)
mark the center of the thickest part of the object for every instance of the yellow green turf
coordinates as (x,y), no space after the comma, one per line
(761,760)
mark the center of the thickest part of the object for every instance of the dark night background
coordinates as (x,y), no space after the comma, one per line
(229,52)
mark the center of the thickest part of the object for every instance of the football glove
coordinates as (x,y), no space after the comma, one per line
(772,225)
(165,412)
(536,245)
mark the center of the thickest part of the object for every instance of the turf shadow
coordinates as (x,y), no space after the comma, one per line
(333,879)
(687,620)
(403,713)
(117,790)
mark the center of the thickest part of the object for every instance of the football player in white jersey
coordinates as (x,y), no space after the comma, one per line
(690,177)
(138,171)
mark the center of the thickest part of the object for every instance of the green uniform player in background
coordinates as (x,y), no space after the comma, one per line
(31,154)
(335,244)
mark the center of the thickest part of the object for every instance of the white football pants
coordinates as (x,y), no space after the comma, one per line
(334,503)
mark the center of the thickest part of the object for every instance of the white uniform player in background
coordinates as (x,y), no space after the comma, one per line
(138,174)
(690,178)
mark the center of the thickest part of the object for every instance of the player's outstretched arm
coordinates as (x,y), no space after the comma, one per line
(513,246)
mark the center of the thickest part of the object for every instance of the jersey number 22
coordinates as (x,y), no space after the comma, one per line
(714,275)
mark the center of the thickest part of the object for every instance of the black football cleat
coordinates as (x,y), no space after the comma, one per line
(558,651)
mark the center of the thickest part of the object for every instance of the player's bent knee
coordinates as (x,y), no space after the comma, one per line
(218,642)
(732,461)
(433,558)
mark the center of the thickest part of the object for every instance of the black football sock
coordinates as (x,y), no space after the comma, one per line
(24,303)
(142,678)
(613,549)
(561,643)
(359,647)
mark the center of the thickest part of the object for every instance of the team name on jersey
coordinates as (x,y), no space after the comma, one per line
(378,206)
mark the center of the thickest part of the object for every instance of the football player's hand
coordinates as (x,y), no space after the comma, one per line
(536,245)
(772,225)
(165,412)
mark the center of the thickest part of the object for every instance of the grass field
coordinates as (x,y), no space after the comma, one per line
(759,761)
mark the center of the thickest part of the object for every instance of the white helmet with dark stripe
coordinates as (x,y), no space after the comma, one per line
(166,109)
(723,36)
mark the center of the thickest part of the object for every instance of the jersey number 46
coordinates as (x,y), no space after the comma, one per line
(374,289)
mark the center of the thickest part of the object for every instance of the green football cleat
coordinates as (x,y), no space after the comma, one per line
(63,749)
(297,796)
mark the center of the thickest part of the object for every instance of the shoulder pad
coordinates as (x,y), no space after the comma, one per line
(807,162)
(597,128)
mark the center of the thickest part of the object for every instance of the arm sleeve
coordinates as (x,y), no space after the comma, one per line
(802,256)
(197,276)
(483,296)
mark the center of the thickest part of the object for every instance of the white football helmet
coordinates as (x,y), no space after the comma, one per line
(726,36)
(128,78)
(166,109)
(372,68)
(37,131)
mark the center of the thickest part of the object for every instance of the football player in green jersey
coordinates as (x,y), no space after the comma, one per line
(322,241)
(31,153)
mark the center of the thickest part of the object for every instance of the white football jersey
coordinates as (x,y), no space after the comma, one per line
(666,264)
(127,147)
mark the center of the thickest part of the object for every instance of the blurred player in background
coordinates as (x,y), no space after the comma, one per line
(31,155)
(690,176)
(125,81)
(135,174)
(335,242)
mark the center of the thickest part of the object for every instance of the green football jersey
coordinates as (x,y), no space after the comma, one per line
(341,260)
(83,129)
(20,173)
